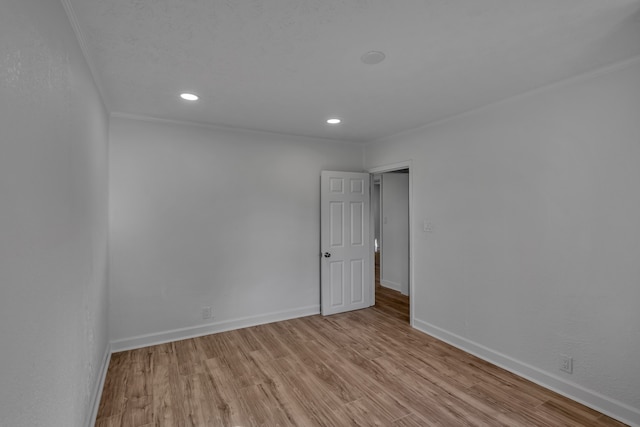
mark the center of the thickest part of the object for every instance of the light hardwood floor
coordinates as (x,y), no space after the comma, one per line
(364,368)
(389,301)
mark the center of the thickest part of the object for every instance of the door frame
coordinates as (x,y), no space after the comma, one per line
(407,164)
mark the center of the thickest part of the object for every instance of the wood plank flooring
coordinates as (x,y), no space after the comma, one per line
(389,301)
(392,303)
(364,368)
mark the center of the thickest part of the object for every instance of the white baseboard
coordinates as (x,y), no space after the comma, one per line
(97,390)
(590,398)
(211,328)
(391,285)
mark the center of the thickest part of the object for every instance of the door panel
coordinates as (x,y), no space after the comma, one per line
(337,284)
(346,258)
(336,224)
(357,281)
(357,225)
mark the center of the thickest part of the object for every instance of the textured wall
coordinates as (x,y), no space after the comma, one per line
(203,217)
(535,207)
(53,221)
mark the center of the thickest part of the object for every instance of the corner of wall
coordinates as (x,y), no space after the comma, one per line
(96,395)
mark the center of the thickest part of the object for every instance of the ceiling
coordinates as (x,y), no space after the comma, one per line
(287,65)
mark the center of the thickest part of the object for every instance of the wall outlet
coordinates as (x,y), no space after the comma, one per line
(206,312)
(566,364)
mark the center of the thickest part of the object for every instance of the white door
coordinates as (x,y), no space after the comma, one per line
(344,239)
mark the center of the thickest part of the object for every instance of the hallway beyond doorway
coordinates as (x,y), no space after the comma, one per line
(389,301)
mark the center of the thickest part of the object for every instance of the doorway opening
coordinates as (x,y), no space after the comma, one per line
(391,236)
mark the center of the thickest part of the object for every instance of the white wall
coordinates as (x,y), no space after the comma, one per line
(535,204)
(394,269)
(53,221)
(205,217)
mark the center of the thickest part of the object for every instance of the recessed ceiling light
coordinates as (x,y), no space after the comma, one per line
(334,121)
(373,57)
(189,96)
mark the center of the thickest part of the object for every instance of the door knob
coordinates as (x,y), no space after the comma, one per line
(327,255)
